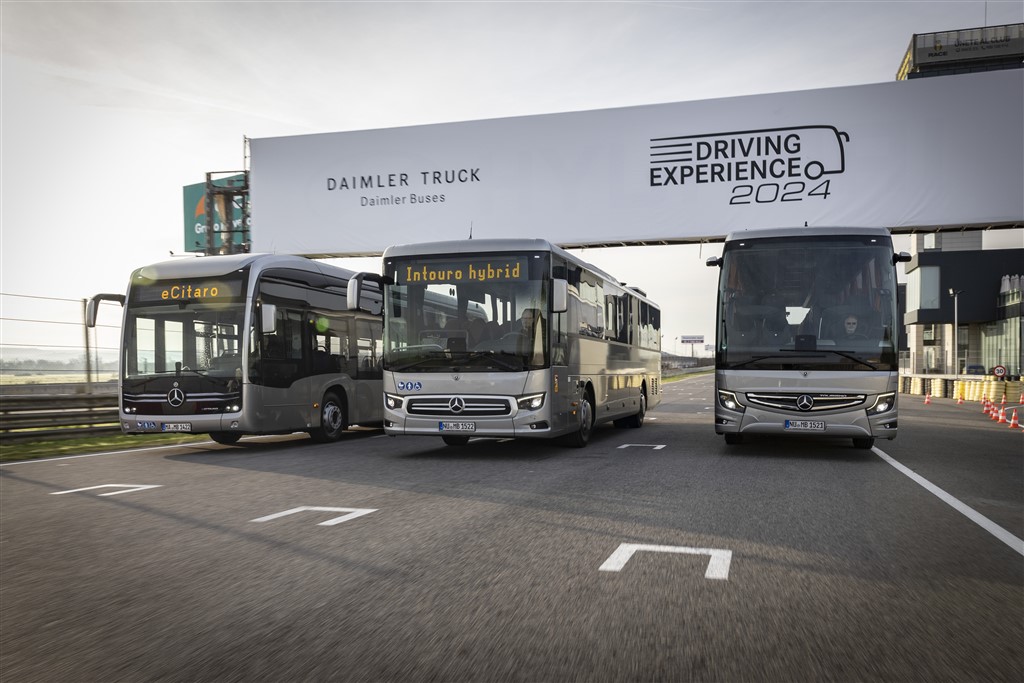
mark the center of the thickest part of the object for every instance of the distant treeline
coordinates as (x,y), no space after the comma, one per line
(51,365)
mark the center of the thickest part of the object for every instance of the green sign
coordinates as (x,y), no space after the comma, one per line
(195,217)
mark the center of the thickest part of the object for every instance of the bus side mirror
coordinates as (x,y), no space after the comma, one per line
(92,306)
(358,297)
(268,318)
(713,261)
(901,257)
(559,295)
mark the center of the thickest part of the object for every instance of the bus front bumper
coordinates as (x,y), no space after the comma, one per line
(848,423)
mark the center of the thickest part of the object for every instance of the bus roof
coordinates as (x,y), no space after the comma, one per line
(212,266)
(804,232)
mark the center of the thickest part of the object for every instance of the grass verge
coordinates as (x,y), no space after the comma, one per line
(31,450)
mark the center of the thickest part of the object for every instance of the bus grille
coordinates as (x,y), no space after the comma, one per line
(441,406)
(820,401)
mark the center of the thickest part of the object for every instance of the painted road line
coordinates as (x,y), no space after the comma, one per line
(968,512)
(718,566)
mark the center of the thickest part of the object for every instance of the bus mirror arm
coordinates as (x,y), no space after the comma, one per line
(92,306)
(901,257)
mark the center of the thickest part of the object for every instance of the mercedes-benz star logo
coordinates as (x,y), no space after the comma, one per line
(176,397)
(456,405)
(804,402)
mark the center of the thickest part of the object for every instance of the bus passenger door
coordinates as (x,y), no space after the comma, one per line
(282,372)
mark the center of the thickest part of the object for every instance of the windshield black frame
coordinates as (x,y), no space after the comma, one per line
(472,312)
(808,303)
(193,327)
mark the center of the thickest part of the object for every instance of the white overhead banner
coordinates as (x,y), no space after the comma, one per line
(927,153)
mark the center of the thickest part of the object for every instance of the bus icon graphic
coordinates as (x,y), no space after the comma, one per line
(822,146)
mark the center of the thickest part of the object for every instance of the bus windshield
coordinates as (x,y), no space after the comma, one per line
(807,303)
(472,313)
(183,338)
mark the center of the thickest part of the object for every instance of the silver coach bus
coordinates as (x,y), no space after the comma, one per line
(246,344)
(536,343)
(807,334)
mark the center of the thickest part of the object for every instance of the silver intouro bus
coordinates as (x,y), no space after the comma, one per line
(513,338)
(247,344)
(807,334)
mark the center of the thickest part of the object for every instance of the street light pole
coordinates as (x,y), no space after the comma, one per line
(955,293)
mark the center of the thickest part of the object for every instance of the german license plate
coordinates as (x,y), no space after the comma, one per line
(177,426)
(805,425)
(447,426)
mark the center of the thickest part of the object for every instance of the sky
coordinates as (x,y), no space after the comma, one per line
(107,109)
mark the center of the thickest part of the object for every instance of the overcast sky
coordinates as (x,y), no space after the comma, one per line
(110,108)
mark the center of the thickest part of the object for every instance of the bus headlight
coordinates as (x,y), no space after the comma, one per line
(728,400)
(393,402)
(532,402)
(883,403)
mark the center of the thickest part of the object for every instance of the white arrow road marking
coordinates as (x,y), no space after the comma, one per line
(642,445)
(128,488)
(718,566)
(352,514)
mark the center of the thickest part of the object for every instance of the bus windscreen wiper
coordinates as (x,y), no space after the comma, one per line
(492,356)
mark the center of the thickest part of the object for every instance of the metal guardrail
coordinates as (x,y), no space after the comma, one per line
(31,418)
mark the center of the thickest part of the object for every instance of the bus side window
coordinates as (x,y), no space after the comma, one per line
(370,346)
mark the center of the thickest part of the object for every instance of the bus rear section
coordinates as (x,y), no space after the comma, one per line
(807,333)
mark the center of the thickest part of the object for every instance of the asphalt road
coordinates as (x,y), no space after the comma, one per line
(658,554)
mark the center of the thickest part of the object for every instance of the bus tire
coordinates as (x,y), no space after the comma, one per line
(581,437)
(455,440)
(732,438)
(865,442)
(637,421)
(333,419)
(226,438)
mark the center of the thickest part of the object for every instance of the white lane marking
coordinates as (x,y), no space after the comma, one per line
(968,512)
(128,488)
(352,514)
(642,445)
(718,566)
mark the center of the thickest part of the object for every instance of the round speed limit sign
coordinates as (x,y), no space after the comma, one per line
(999,371)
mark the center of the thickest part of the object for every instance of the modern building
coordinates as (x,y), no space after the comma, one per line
(990,48)
(963,302)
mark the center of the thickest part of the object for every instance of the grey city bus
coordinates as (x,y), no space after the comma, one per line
(540,345)
(807,333)
(246,344)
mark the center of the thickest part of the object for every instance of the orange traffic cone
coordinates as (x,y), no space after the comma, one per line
(1014,424)
(984,405)
(1003,402)
(960,400)
(1002,416)
(927,399)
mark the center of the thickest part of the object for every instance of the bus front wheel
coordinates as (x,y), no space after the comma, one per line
(333,421)
(581,436)
(732,438)
(226,438)
(866,442)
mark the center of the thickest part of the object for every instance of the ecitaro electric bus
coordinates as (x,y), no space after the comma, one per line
(807,333)
(247,344)
(513,338)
